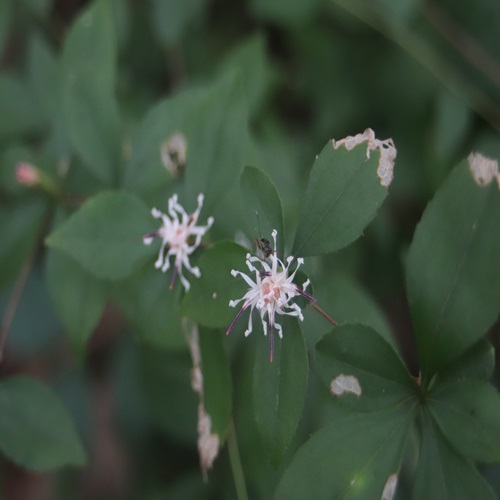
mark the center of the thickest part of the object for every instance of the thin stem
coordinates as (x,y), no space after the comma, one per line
(236,467)
(324,314)
(15,298)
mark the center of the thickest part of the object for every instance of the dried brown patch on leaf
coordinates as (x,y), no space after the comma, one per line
(174,153)
(390,487)
(386,148)
(483,169)
(208,442)
(342,384)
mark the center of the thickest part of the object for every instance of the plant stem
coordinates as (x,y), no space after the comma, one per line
(236,467)
(10,311)
(324,314)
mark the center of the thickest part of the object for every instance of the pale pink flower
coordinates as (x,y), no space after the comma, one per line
(271,293)
(181,236)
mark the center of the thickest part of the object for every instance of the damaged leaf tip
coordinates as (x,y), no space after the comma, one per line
(386,148)
(342,384)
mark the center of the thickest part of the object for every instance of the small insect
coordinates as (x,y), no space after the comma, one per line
(264,246)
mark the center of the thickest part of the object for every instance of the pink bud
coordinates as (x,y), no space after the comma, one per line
(27,175)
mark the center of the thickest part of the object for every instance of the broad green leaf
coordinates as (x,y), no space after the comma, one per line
(476,363)
(467,415)
(279,387)
(453,269)
(352,457)
(443,473)
(105,235)
(151,308)
(217,388)
(207,302)
(342,196)
(171,19)
(357,354)
(18,108)
(35,428)
(34,331)
(20,225)
(263,205)
(346,301)
(90,108)
(251,60)
(166,385)
(213,123)
(78,298)
(44,76)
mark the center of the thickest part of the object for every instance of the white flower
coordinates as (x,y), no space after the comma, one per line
(271,293)
(181,235)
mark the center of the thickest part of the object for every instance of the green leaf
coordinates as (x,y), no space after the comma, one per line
(171,19)
(18,108)
(44,76)
(257,74)
(453,269)
(213,122)
(346,301)
(279,388)
(20,225)
(151,308)
(476,363)
(352,457)
(217,386)
(90,108)
(207,302)
(263,205)
(442,473)
(467,415)
(78,297)
(342,196)
(359,351)
(105,235)
(36,439)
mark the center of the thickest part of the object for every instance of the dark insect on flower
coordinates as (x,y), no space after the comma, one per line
(264,246)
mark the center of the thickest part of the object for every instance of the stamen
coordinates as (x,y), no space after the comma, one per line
(228,331)
(174,275)
(271,342)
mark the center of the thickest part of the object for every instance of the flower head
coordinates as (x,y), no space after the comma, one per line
(27,175)
(271,293)
(181,235)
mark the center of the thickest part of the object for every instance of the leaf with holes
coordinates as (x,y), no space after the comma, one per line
(342,196)
(360,352)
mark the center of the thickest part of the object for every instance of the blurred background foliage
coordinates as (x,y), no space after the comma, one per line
(425,73)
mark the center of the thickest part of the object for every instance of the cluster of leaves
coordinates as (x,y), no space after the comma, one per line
(106,171)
